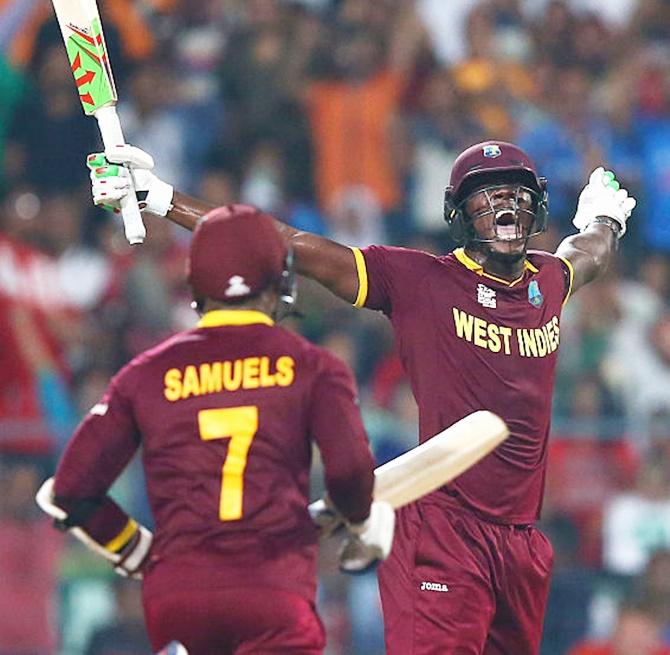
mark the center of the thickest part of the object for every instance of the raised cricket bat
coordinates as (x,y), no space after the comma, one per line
(431,464)
(80,24)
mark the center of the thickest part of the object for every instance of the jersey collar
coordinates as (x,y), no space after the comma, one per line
(221,317)
(472,265)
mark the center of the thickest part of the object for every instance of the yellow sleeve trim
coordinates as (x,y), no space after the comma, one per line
(571,270)
(123,537)
(362,278)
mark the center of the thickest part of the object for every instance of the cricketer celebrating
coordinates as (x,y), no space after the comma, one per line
(476,328)
(226,414)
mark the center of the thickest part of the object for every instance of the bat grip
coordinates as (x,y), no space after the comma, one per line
(112,135)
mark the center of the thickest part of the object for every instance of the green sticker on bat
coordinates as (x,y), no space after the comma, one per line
(90,67)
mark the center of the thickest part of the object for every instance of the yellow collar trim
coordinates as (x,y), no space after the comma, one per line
(220,317)
(472,265)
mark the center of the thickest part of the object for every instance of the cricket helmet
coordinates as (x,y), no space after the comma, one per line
(485,167)
(236,253)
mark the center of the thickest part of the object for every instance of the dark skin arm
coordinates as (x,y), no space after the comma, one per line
(327,262)
(333,265)
(590,253)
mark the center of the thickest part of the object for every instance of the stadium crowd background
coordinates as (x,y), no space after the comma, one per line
(341,117)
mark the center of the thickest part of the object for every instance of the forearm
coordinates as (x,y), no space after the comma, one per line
(329,263)
(590,252)
(187,210)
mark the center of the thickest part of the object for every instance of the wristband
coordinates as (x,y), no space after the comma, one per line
(159,197)
(611,223)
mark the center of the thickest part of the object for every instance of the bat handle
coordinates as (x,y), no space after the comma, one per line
(112,135)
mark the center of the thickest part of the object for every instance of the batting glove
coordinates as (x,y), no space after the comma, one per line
(112,173)
(325,517)
(603,196)
(368,542)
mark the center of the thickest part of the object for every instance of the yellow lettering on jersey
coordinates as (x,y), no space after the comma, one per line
(519,340)
(250,378)
(493,332)
(191,385)
(228,375)
(172,381)
(267,379)
(480,333)
(506,334)
(530,342)
(463,324)
(210,377)
(232,375)
(285,371)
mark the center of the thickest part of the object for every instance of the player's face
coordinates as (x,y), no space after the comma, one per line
(502,216)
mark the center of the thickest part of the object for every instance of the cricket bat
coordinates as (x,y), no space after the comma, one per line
(429,465)
(80,24)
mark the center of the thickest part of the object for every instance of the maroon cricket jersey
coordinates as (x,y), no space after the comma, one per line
(226,414)
(471,341)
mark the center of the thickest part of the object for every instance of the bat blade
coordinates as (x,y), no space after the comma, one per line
(80,25)
(426,467)
(439,460)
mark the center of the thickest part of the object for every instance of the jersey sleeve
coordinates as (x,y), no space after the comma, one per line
(562,271)
(568,272)
(386,274)
(337,428)
(99,450)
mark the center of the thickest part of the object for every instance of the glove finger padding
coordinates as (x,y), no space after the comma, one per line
(596,176)
(602,196)
(370,541)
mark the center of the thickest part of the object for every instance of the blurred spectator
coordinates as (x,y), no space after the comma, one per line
(654,589)
(262,74)
(149,121)
(29,553)
(636,522)
(565,143)
(356,217)
(125,634)
(645,387)
(493,78)
(353,109)
(572,582)
(49,138)
(441,128)
(195,37)
(636,633)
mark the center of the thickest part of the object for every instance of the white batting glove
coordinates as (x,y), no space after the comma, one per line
(370,541)
(603,196)
(111,173)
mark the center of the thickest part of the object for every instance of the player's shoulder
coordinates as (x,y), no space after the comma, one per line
(145,359)
(399,257)
(542,258)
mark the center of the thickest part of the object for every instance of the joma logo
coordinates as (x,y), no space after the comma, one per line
(433,586)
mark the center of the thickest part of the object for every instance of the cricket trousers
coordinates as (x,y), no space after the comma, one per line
(229,620)
(455,584)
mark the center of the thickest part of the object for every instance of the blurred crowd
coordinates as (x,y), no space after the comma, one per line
(341,117)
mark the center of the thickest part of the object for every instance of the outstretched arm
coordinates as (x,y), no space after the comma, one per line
(602,213)
(327,262)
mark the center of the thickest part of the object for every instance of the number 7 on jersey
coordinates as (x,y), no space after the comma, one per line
(239,424)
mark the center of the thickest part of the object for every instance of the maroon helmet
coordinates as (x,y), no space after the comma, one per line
(488,165)
(236,253)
